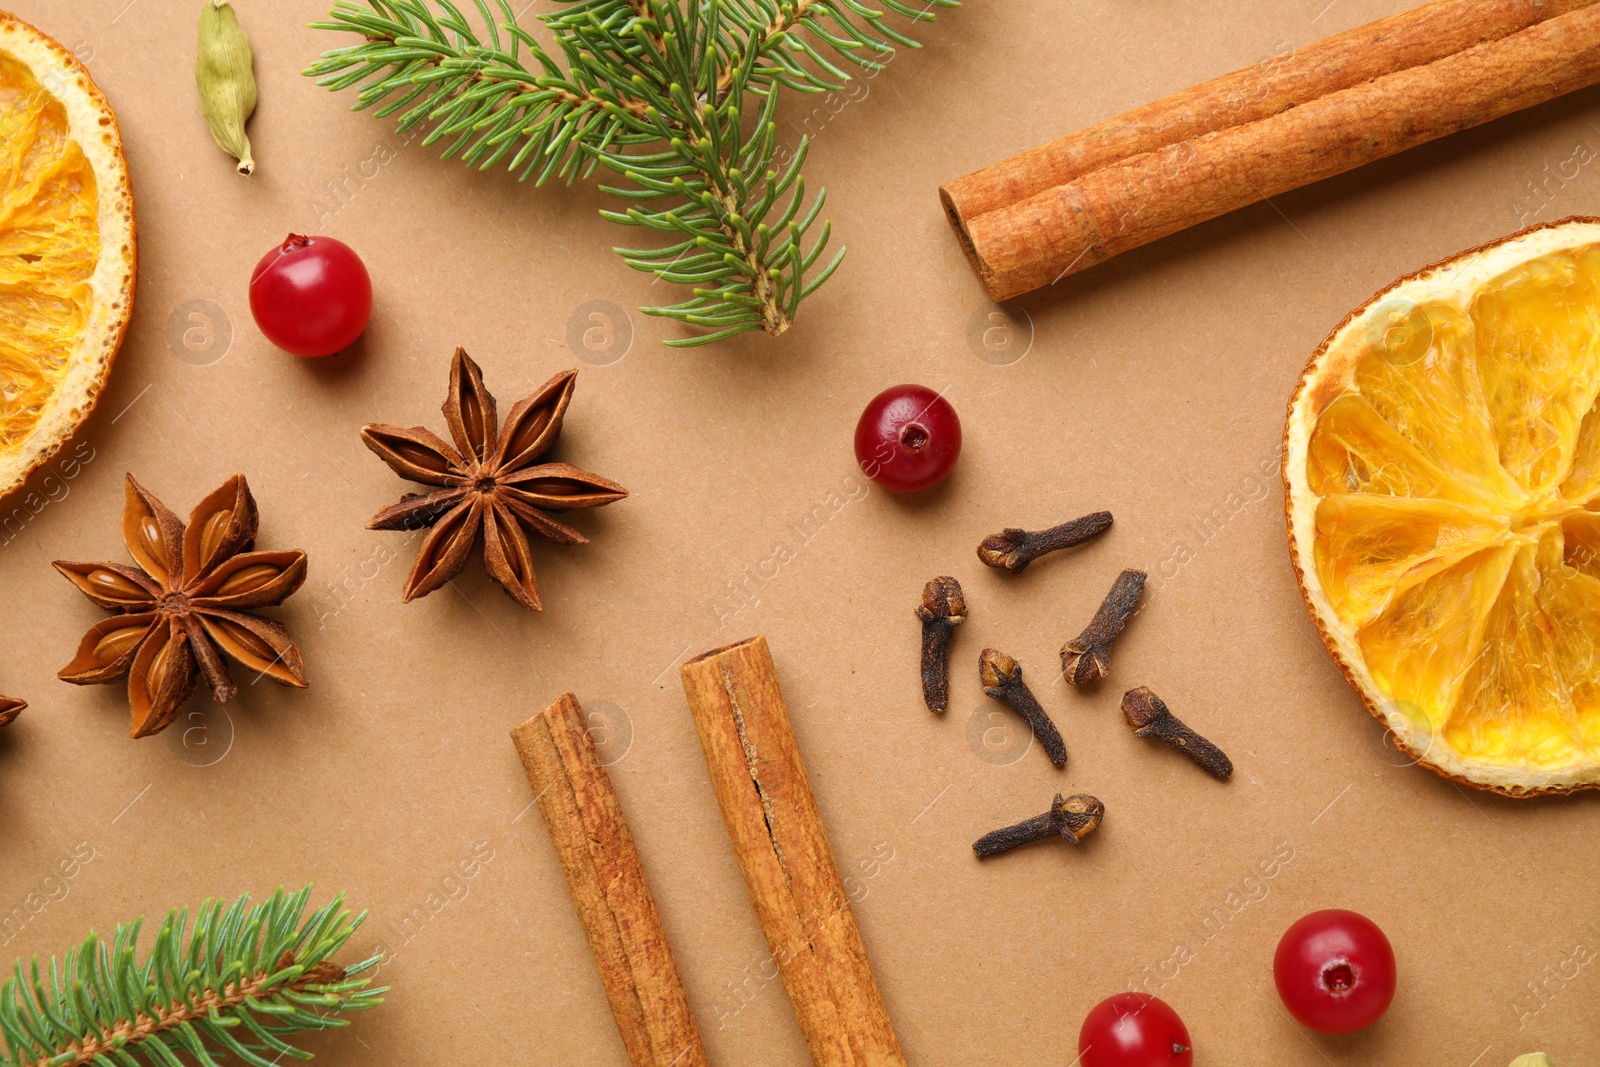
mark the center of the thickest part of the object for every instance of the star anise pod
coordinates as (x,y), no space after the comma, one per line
(489,483)
(186,604)
(10,708)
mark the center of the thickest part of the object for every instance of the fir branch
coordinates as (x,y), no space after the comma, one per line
(238,982)
(791,30)
(677,98)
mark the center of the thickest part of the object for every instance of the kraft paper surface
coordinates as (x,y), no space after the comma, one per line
(1153,386)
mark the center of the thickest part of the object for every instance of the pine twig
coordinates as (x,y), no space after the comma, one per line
(677,98)
(237,983)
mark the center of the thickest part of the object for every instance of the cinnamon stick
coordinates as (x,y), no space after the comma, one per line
(1408,39)
(783,853)
(1188,158)
(609,887)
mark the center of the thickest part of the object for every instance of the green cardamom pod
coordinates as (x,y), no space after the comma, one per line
(1532,1059)
(227,83)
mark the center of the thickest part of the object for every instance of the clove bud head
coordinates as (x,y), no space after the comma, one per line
(1142,707)
(942,599)
(1079,815)
(1003,550)
(997,670)
(1083,665)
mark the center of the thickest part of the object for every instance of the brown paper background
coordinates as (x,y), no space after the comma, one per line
(1153,386)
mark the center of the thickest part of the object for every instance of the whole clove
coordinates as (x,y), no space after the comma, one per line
(1002,679)
(942,608)
(1012,549)
(1073,818)
(1087,657)
(1149,716)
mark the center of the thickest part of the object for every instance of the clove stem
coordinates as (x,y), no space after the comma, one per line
(1087,657)
(1149,716)
(1012,549)
(942,608)
(1002,679)
(1073,818)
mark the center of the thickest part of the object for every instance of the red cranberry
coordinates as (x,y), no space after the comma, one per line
(311,295)
(1133,1030)
(1335,971)
(908,438)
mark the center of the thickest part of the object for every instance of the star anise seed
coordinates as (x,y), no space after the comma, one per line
(488,484)
(10,708)
(186,605)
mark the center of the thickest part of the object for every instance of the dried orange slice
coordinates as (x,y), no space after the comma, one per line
(66,247)
(1442,473)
